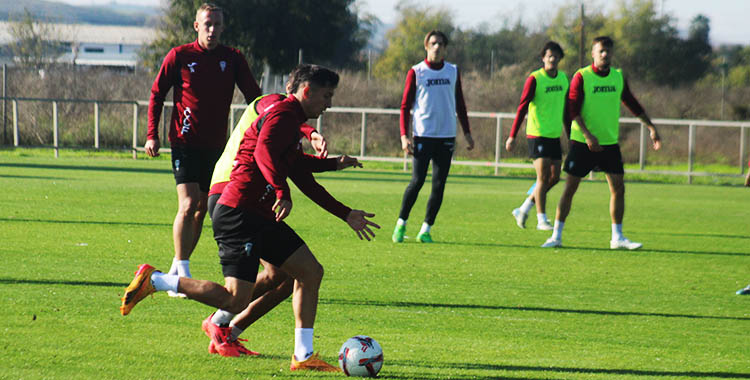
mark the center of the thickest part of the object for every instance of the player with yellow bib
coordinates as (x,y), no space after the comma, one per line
(543,97)
(594,99)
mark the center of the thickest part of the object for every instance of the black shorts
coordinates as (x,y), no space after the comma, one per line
(580,160)
(194,165)
(545,147)
(244,238)
(212,199)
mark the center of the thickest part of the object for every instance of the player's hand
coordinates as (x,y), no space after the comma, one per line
(152,147)
(509,143)
(655,138)
(593,143)
(345,161)
(282,208)
(470,141)
(406,145)
(357,220)
(319,143)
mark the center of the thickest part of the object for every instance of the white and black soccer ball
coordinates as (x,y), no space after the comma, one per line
(361,356)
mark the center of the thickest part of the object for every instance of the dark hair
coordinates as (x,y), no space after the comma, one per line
(604,40)
(316,75)
(554,46)
(436,33)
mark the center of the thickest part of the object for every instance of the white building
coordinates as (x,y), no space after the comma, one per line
(96,45)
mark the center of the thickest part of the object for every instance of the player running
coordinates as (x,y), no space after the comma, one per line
(543,97)
(248,219)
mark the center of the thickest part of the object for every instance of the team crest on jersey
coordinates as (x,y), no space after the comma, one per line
(191,66)
(223,65)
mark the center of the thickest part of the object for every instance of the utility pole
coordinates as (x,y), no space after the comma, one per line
(583,36)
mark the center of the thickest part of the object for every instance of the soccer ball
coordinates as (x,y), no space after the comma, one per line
(361,356)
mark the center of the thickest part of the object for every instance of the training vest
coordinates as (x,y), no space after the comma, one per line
(435,101)
(225,164)
(601,106)
(547,108)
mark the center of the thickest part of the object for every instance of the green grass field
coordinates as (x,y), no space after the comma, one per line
(484,302)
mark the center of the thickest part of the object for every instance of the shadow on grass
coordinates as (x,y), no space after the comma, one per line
(604,371)
(333,301)
(571,248)
(15,281)
(139,224)
(92,168)
(34,177)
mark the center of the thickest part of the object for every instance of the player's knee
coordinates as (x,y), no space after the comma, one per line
(189,206)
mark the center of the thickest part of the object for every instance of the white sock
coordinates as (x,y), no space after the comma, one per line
(557,232)
(303,343)
(236,331)
(401,222)
(425,228)
(616,231)
(183,268)
(542,217)
(527,205)
(173,268)
(163,281)
(222,317)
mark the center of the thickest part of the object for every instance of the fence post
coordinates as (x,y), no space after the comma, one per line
(96,125)
(15,122)
(319,124)
(691,152)
(5,103)
(55,133)
(231,120)
(363,136)
(498,143)
(642,148)
(135,130)
(742,150)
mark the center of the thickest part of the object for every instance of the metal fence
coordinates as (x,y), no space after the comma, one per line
(499,118)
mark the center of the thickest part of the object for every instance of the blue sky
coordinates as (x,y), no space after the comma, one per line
(728,17)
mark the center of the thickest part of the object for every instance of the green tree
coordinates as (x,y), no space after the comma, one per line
(406,40)
(565,29)
(272,32)
(35,43)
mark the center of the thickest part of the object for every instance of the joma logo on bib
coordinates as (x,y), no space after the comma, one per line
(438,82)
(604,89)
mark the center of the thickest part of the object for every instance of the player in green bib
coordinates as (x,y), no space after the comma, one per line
(593,104)
(543,97)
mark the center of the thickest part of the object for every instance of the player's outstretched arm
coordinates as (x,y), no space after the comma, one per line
(357,220)
(343,162)
(319,144)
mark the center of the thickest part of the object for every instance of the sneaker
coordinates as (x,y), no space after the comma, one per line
(175,294)
(624,243)
(313,363)
(744,291)
(544,225)
(520,217)
(220,343)
(552,243)
(138,289)
(424,237)
(398,234)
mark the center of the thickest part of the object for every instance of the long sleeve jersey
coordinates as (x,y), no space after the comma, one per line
(409,95)
(203,83)
(267,157)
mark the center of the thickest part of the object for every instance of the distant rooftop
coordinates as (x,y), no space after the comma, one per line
(84,33)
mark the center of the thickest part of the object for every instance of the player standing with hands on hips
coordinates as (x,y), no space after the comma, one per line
(543,97)
(202,75)
(433,90)
(596,92)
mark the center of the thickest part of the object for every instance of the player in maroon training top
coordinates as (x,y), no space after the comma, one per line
(202,75)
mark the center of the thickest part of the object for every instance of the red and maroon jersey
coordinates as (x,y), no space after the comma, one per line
(410,93)
(575,96)
(268,157)
(203,82)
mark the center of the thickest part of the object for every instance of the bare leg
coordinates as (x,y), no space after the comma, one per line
(617,197)
(308,274)
(272,287)
(233,297)
(566,199)
(188,222)
(547,175)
